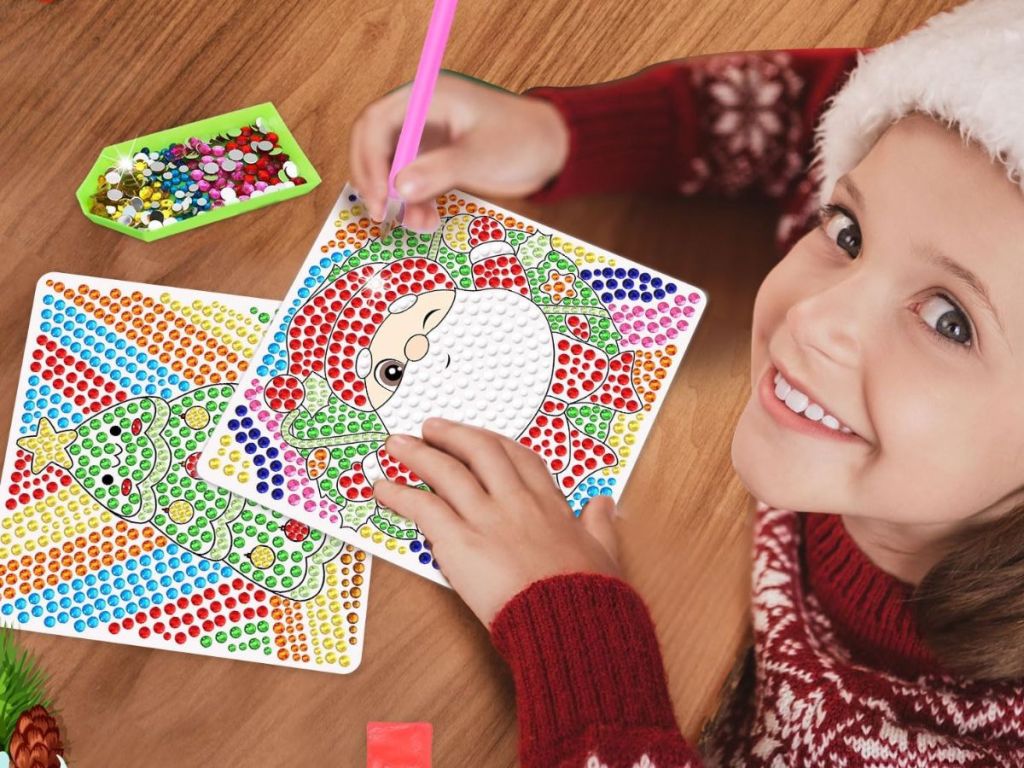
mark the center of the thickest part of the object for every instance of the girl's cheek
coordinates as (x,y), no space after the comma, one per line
(778,292)
(802,272)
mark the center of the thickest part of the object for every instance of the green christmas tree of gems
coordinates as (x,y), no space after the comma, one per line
(138,458)
(332,436)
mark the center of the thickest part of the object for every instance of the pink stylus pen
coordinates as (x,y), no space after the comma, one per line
(419,103)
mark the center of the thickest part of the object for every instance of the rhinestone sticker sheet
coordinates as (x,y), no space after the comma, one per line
(106,530)
(494,319)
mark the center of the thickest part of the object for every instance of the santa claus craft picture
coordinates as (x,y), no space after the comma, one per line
(492,320)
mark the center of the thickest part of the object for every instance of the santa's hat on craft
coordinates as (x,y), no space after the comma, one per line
(964,67)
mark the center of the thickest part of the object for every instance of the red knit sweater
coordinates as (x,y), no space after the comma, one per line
(841,674)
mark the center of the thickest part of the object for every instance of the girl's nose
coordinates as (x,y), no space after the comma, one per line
(829,323)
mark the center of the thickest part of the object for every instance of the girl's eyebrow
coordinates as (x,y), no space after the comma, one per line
(847,183)
(931,253)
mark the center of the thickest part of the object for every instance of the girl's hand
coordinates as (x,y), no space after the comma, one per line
(477,137)
(496,521)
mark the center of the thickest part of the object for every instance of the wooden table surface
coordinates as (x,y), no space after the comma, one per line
(76,75)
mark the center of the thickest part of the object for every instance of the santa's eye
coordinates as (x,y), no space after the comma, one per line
(389,373)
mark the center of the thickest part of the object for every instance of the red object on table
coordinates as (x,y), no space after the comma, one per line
(398,745)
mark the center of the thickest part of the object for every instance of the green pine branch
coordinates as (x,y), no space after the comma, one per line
(22,684)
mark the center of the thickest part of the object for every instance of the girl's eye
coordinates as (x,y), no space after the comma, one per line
(946,319)
(940,314)
(841,228)
(389,373)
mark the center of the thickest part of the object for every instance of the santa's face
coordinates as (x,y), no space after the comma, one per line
(401,339)
(483,357)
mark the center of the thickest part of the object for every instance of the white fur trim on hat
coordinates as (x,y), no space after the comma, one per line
(964,67)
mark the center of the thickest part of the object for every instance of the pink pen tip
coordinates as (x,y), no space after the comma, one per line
(392,217)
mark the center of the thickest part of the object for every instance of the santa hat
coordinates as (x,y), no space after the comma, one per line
(964,67)
(389,290)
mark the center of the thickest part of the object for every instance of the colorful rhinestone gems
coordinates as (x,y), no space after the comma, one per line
(107,531)
(157,187)
(493,319)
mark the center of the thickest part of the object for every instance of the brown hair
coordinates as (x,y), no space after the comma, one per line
(970,605)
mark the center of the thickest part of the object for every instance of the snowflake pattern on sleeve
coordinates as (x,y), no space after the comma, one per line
(751,127)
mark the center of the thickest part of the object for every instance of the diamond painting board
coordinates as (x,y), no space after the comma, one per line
(106,531)
(493,319)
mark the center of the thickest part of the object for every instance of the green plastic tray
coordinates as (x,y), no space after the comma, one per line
(204,129)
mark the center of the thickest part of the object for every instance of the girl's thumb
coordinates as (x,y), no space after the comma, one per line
(429,175)
(597,519)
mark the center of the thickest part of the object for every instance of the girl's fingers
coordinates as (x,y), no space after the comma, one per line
(450,478)
(597,519)
(356,159)
(374,135)
(432,515)
(366,181)
(532,469)
(432,173)
(478,449)
(421,217)
(419,183)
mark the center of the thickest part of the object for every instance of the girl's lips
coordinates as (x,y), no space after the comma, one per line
(126,487)
(784,417)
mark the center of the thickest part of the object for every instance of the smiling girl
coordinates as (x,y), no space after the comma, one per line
(887,362)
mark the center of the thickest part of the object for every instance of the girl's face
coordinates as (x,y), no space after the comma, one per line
(902,318)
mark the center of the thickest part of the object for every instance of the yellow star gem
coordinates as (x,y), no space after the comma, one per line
(48,446)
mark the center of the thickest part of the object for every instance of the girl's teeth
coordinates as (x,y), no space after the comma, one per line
(798,402)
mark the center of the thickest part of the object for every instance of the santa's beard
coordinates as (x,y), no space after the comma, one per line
(489,364)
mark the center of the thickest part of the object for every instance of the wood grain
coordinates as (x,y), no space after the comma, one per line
(77,75)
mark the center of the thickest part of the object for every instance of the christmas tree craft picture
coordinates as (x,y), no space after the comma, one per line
(107,531)
(138,459)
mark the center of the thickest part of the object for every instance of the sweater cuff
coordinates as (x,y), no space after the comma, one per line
(622,135)
(583,653)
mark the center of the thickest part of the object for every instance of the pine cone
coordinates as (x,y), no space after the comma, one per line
(35,742)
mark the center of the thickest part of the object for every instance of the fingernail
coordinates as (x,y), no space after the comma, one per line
(397,441)
(407,187)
